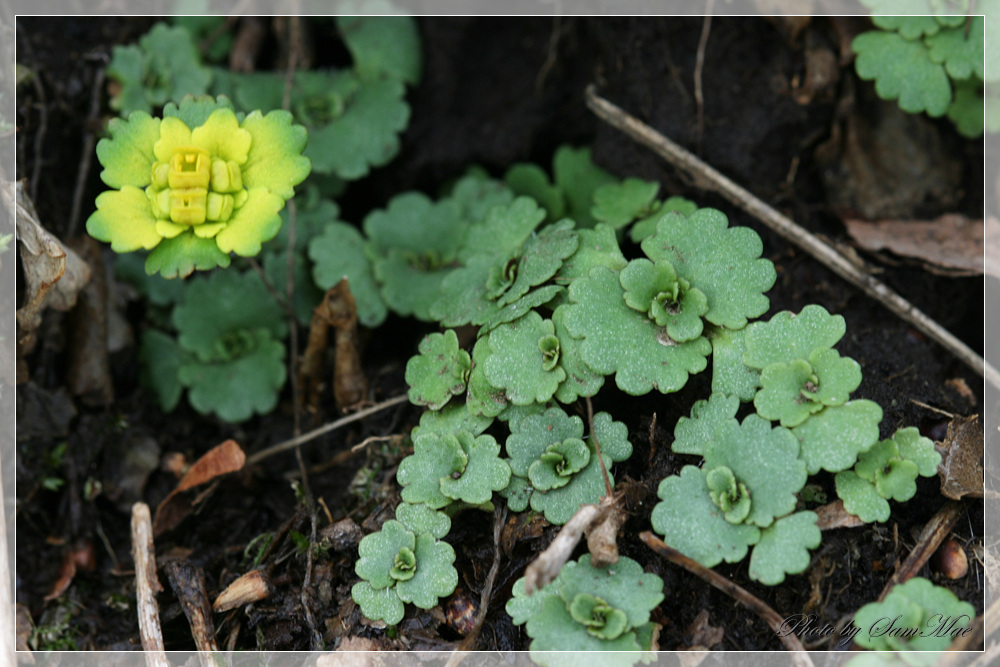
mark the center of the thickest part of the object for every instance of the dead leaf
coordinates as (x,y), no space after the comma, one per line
(961,469)
(702,633)
(951,245)
(833,515)
(822,72)
(521,527)
(81,557)
(251,587)
(220,460)
(602,538)
(53,273)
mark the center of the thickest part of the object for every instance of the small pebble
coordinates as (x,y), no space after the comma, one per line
(950,560)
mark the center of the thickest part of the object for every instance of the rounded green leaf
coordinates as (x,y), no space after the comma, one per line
(553,629)
(383,46)
(917,604)
(788,336)
(339,252)
(449,421)
(580,379)
(483,398)
(235,389)
(484,473)
(618,204)
(439,371)
(861,498)
(723,262)
(127,156)
(691,523)
(377,553)
(784,548)
(836,377)
(434,458)
(125,220)
(378,603)
(782,395)
(180,256)
(729,374)
(518,363)
(576,174)
(598,247)
(532,181)
(914,447)
(617,339)
(693,434)
(832,438)
(420,519)
(961,49)
(902,70)
(435,576)
(623,585)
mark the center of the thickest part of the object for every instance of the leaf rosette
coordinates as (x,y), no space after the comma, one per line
(196,185)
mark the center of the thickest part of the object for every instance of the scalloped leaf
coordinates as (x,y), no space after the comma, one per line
(618,204)
(861,498)
(623,585)
(788,336)
(967,110)
(832,439)
(903,71)
(420,519)
(383,46)
(691,523)
(960,49)
(531,435)
(180,256)
(598,247)
(236,389)
(763,458)
(781,395)
(435,575)
(575,173)
(619,340)
(837,377)
(916,603)
(378,603)
(910,27)
(377,551)
(693,434)
(647,227)
(670,301)
(434,458)
(503,231)
(729,374)
(540,259)
(339,252)
(484,473)
(450,420)
(784,548)
(519,364)
(162,357)
(521,606)
(545,295)
(723,262)
(531,180)
(580,379)
(914,447)
(439,371)
(222,302)
(483,398)
(553,630)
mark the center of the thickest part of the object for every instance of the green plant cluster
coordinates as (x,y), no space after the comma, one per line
(932,62)
(915,616)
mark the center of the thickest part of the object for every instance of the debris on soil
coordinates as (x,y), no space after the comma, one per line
(948,245)
(961,468)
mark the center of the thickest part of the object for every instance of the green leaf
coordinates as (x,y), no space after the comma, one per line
(918,604)
(306,295)
(223,302)
(483,398)
(540,259)
(729,374)
(967,110)
(518,493)
(691,523)
(788,336)
(434,458)
(378,603)
(671,302)
(553,629)
(275,159)
(902,70)
(521,606)
(693,434)
(195,110)
(159,290)
(180,256)
(530,437)
(435,576)
(439,372)
(914,447)
(961,49)
(477,195)
(127,155)
(503,231)
(531,180)
(836,377)
(449,421)
(339,252)
(576,174)
(618,204)
(377,552)
(782,396)
(832,439)
(623,585)
(484,473)
(910,27)
(541,296)
(383,46)
(765,459)
(617,339)
(525,360)
(580,380)
(162,358)
(723,262)
(237,388)
(420,519)
(784,548)
(647,226)
(598,247)
(861,498)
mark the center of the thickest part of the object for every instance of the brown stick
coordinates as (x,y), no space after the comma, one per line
(709,179)
(738,593)
(147,586)
(930,539)
(188,583)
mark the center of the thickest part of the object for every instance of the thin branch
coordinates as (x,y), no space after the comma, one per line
(710,179)
(609,490)
(699,64)
(738,593)
(930,539)
(324,429)
(147,586)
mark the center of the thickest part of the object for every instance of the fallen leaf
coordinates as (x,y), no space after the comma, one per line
(251,587)
(220,460)
(961,469)
(702,633)
(602,538)
(521,527)
(54,274)
(951,245)
(833,515)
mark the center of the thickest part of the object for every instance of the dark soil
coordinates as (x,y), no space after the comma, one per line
(495,91)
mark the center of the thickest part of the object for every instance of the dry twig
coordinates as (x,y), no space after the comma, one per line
(709,179)
(930,539)
(147,586)
(738,593)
